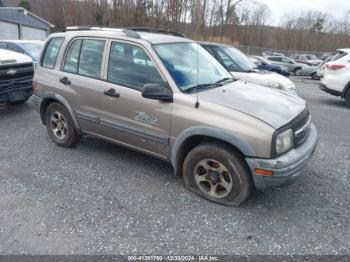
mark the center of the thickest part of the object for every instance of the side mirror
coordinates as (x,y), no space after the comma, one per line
(157,92)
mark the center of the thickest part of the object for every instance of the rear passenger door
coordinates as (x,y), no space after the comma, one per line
(80,80)
(126,116)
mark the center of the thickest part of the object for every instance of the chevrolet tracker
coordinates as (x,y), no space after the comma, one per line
(162,94)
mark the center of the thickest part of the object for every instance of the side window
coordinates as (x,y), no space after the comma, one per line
(84,57)
(226,60)
(286,60)
(51,53)
(72,57)
(91,55)
(130,66)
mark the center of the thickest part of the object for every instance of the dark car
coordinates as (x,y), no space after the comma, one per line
(264,64)
(30,48)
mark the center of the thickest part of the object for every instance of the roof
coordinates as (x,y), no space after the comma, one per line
(214,44)
(19,15)
(23,41)
(345,50)
(153,38)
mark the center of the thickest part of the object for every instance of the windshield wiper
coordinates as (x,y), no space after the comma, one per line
(226,79)
(203,86)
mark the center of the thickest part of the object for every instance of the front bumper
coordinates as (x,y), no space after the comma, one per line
(324,88)
(287,167)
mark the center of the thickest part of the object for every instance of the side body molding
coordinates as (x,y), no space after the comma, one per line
(219,134)
(62,100)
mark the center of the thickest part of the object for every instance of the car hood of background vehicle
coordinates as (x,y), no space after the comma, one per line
(266,78)
(271,106)
(9,57)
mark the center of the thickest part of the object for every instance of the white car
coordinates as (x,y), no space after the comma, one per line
(16,76)
(336,75)
(241,67)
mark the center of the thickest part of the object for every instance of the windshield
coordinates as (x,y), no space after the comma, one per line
(238,60)
(34,49)
(311,57)
(263,60)
(180,59)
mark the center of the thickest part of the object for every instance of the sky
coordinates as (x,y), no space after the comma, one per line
(336,8)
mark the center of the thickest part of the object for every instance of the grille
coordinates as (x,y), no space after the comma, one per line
(301,128)
(16,77)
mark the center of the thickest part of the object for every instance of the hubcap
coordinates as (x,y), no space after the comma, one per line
(213,178)
(58,125)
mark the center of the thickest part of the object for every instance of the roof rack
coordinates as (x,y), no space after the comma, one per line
(155,30)
(127,32)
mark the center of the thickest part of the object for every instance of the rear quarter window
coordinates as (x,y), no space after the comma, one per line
(51,52)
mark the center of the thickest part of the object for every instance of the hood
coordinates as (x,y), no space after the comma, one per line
(266,104)
(269,79)
(9,57)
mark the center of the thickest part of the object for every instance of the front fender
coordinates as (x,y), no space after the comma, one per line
(209,132)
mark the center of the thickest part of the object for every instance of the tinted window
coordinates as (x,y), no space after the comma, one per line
(91,55)
(51,53)
(130,66)
(72,57)
(277,59)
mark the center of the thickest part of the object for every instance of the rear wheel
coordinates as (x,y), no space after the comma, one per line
(314,76)
(218,173)
(347,97)
(60,126)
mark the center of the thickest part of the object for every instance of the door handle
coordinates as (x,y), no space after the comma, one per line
(111,92)
(65,80)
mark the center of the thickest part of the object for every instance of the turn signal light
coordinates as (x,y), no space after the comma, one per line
(335,66)
(263,172)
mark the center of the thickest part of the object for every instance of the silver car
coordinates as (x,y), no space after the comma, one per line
(286,62)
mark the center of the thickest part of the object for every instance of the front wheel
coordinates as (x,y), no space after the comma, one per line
(60,126)
(297,71)
(218,173)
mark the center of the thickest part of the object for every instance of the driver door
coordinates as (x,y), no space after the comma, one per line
(126,116)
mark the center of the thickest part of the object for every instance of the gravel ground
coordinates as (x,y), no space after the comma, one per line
(100,198)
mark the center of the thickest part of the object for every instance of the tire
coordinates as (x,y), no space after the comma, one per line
(314,76)
(296,71)
(210,169)
(347,98)
(60,126)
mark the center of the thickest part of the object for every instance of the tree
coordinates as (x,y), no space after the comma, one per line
(25,4)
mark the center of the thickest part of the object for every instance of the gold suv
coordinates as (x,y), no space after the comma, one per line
(164,95)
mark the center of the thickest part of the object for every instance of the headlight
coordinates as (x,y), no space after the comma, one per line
(284,141)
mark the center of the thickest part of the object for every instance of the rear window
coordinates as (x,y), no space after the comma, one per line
(51,53)
(278,59)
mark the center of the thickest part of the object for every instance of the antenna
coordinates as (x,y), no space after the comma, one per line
(196,105)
